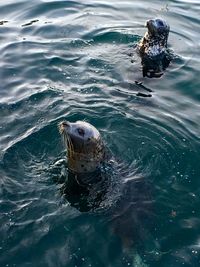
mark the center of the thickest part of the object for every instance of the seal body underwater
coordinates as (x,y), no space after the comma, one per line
(153,48)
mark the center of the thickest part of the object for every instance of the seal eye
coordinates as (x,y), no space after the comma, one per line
(160,23)
(81,131)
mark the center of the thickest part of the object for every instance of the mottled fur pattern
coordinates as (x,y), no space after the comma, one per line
(153,48)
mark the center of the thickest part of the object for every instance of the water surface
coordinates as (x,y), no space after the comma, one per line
(71,60)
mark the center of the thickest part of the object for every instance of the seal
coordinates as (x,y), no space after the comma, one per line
(85,148)
(153,48)
(88,187)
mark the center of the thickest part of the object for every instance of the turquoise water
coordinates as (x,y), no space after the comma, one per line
(71,60)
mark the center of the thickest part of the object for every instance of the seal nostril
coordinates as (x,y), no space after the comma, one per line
(65,124)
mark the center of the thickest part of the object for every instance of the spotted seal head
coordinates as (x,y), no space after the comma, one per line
(84,145)
(153,48)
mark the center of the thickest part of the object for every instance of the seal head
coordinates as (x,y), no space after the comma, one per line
(158,27)
(153,48)
(84,145)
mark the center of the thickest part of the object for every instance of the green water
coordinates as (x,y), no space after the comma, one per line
(71,60)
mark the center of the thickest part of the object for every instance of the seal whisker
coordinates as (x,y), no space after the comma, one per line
(69,144)
(71,147)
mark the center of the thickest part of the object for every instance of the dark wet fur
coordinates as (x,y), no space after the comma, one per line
(154,67)
(85,191)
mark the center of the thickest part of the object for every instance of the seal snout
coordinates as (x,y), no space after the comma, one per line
(148,22)
(65,123)
(157,26)
(63,126)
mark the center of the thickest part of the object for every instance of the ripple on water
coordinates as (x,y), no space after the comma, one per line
(69,59)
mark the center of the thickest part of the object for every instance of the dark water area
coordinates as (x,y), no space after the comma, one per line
(76,60)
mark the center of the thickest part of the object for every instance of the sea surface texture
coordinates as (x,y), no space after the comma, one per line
(77,60)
